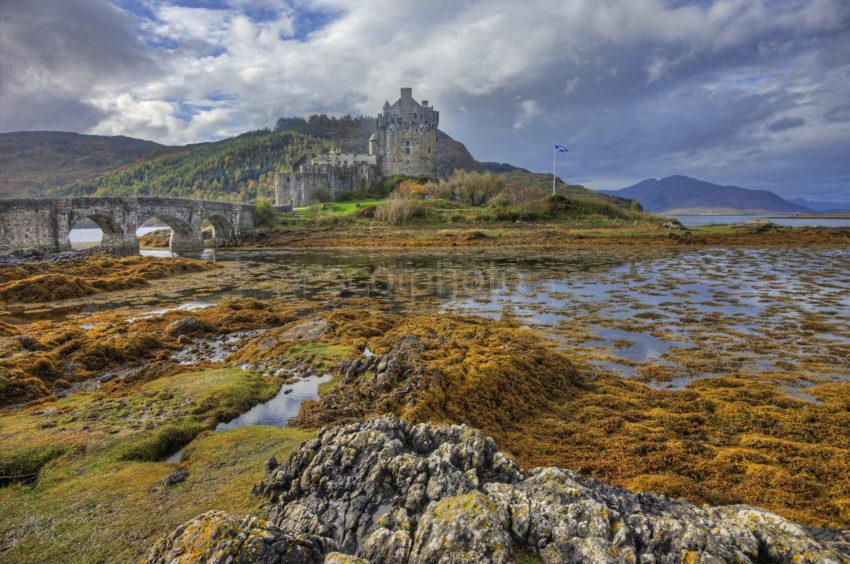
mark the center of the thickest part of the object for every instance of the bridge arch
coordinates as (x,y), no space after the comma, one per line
(185,237)
(221,226)
(112,232)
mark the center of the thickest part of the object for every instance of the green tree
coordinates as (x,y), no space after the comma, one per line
(266,214)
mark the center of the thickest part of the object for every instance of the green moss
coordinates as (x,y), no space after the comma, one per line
(159,444)
(93,509)
(322,355)
(100,496)
(24,465)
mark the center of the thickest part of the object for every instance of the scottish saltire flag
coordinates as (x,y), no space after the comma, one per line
(560,148)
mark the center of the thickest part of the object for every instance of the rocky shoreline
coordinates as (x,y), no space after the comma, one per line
(382,490)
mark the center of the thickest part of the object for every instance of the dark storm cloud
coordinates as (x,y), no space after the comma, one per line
(838,113)
(786,123)
(55,53)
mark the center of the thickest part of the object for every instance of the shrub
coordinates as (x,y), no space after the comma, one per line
(520,194)
(411,189)
(398,209)
(500,201)
(265,212)
(475,188)
(551,207)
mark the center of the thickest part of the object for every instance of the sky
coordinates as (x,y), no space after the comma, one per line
(746,92)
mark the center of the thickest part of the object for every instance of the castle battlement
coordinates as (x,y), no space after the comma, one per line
(404,142)
(407,137)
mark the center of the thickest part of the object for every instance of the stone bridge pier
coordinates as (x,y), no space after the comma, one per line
(47,223)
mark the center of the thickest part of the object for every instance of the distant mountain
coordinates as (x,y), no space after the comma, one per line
(32,162)
(682,195)
(823,207)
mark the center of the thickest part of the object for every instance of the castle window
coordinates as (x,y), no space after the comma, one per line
(407,151)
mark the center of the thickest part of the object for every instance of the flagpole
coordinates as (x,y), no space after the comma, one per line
(554,154)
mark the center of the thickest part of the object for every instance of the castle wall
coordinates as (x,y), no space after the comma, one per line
(296,189)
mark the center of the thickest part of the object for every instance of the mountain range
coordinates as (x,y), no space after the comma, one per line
(823,206)
(682,195)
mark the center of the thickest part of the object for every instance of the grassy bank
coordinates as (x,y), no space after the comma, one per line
(543,235)
(101,498)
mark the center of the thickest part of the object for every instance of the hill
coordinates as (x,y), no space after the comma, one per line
(682,195)
(238,169)
(32,162)
(543,181)
(823,207)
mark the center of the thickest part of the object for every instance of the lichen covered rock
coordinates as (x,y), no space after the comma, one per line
(215,537)
(386,491)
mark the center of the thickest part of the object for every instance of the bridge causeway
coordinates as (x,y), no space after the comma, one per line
(45,223)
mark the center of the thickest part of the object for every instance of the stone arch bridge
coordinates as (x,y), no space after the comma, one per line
(45,223)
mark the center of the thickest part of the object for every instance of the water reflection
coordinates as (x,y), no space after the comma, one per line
(280,409)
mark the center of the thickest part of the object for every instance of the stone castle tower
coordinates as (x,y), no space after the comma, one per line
(407,137)
(405,142)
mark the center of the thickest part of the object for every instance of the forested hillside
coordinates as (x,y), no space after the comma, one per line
(237,169)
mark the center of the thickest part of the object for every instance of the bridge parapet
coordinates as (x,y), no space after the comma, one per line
(32,223)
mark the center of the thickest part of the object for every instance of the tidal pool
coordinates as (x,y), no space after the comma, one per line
(281,408)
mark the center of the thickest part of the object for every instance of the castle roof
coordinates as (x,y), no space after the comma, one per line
(373,137)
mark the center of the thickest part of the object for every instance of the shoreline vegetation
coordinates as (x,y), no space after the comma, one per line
(472,209)
(72,464)
(93,403)
(485,209)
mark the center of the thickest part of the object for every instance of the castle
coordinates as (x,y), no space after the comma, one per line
(404,142)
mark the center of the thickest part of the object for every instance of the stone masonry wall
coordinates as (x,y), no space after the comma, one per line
(296,189)
(410,150)
(46,223)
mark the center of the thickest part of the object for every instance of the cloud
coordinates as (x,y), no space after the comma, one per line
(56,54)
(786,123)
(636,87)
(528,110)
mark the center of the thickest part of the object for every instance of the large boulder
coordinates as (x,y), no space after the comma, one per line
(216,537)
(386,491)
